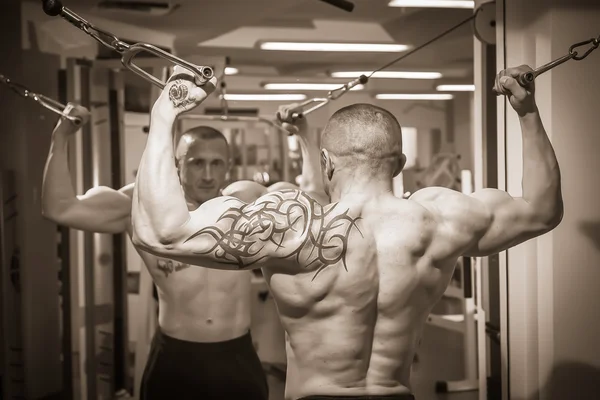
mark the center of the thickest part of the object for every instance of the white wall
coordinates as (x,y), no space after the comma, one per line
(576,101)
(553,281)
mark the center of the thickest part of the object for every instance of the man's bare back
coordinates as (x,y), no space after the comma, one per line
(393,270)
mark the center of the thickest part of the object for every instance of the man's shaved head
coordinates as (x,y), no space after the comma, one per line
(366,137)
(198,133)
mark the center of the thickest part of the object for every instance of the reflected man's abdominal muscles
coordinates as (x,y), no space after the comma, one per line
(200,305)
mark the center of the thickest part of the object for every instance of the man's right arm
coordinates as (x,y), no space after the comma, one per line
(100,210)
(490,221)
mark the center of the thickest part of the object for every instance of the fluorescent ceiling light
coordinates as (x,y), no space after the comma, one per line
(388,74)
(264,97)
(413,96)
(231,71)
(455,88)
(433,3)
(350,47)
(307,86)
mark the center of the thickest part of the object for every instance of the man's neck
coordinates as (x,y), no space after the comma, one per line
(193,204)
(359,189)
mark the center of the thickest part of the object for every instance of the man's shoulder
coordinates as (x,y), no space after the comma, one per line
(454,210)
(442,201)
(434,193)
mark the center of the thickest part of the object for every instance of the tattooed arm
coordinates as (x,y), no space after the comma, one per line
(159,205)
(287,229)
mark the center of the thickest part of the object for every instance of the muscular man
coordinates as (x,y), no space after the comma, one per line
(203,348)
(355,280)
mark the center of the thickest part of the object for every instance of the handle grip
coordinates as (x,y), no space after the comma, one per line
(526,78)
(203,73)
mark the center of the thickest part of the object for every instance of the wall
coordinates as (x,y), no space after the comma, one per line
(553,280)
(24,142)
(10,105)
(576,91)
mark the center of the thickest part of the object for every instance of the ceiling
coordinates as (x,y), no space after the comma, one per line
(232,28)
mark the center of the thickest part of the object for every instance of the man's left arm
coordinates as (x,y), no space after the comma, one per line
(223,233)
(159,207)
(226,233)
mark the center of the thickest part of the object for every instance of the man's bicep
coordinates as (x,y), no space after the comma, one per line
(511,222)
(225,233)
(100,210)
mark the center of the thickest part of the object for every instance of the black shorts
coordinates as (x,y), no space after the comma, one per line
(387,397)
(182,370)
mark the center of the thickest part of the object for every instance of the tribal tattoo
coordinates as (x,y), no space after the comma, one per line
(168,267)
(282,225)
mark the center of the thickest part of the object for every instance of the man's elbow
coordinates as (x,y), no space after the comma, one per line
(48,214)
(143,239)
(54,214)
(550,218)
(150,241)
(557,215)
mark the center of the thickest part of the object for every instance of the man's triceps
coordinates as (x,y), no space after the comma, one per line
(288,224)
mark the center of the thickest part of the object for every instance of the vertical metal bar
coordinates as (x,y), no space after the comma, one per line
(502,183)
(244,149)
(103,243)
(491,181)
(88,179)
(64,252)
(4,383)
(448,140)
(120,344)
(76,244)
(285,159)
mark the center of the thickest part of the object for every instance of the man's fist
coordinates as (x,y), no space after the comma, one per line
(293,125)
(73,110)
(182,93)
(522,99)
